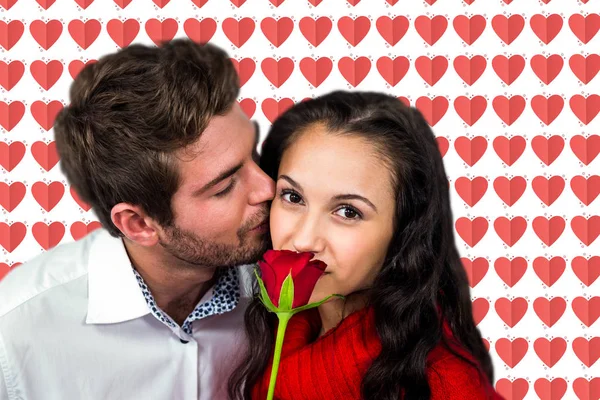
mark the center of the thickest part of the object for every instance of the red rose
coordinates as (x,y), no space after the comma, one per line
(278,264)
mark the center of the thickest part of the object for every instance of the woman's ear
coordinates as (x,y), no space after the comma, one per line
(135,224)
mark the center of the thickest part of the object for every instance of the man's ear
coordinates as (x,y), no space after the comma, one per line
(135,224)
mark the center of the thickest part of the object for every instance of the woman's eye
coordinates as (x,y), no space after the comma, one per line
(349,213)
(291,197)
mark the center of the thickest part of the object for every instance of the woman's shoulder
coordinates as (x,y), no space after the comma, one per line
(451,377)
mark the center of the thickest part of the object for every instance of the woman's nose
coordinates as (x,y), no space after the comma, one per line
(308,238)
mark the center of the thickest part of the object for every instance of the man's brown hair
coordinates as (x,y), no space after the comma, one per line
(129,112)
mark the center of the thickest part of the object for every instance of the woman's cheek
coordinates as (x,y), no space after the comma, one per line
(277,224)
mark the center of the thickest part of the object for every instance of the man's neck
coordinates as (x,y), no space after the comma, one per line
(176,288)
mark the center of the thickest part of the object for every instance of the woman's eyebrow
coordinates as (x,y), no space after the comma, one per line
(355,197)
(291,181)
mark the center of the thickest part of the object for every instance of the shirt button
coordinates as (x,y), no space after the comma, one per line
(184,341)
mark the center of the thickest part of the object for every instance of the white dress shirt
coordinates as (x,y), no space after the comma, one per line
(76,324)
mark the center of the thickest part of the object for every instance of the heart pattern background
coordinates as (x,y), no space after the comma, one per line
(510,87)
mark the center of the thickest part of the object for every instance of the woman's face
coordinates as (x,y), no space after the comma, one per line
(334,197)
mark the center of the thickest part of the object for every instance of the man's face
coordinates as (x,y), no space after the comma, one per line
(223,197)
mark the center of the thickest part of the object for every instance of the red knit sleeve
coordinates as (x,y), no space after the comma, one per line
(451,378)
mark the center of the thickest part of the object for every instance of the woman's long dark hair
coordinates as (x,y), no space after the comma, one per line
(422,281)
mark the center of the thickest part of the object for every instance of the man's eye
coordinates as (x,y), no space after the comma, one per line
(226,190)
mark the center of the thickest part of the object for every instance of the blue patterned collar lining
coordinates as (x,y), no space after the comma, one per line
(226,295)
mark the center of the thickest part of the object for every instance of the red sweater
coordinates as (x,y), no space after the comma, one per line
(332,366)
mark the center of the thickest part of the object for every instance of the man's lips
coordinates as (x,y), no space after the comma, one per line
(262,224)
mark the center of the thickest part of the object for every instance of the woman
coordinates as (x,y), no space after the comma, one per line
(361,184)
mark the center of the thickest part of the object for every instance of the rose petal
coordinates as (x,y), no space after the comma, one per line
(305,281)
(270,281)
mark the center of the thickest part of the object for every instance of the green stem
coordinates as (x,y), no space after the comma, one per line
(283,321)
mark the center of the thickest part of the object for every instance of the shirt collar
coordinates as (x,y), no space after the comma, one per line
(113,292)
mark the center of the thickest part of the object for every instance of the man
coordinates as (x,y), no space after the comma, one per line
(151,306)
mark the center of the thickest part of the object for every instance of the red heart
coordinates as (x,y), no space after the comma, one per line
(548,189)
(511,352)
(471,231)
(471,191)
(550,351)
(238,3)
(81,203)
(511,311)
(277,71)
(277,31)
(470,69)
(547,149)
(548,230)
(584,389)
(476,269)
(11,195)
(84,3)
(123,32)
(550,390)
(161,3)
(480,309)
(200,31)
(46,74)
(510,230)
(11,154)
(76,66)
(469,29)
(508,28)
(510,271)
(585,108)
(7,4)
(11,236)
(272,108)
(45,4)
(48,195)
(315,31)
(248,106)
(547,109)
(509,150)
(515,390)
(549,311)
(585,68)
(547,69)
(79,229)
(586,230)
(11,114)
(585,28)
(433,110)
(11,33)
(508,68)
(160,32)
(315,2)
(546,28)
(393,70)
(46,33)
(510,190)
(122,3)
(199,3)
(587,270)
(238,32)
(5,269)
(84,33)
(586,310)
(45,154)
(277,3)
(470,150)
(245,69)
(549,271)
(588,351)
(44,114)
(48,236)
(11,74)
(354,71)
(431,29)
(431,69)
(508,109)
(586,149)
(316,71)
(392,30)
(442,142)
(354,30)
(470,110)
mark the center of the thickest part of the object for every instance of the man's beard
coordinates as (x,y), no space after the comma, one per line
(190,248)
